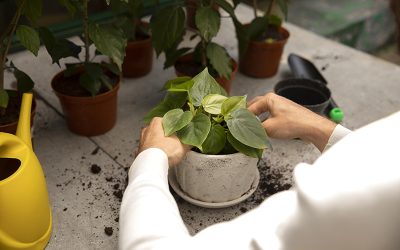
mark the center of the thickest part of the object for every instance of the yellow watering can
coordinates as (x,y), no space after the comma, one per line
(25,213)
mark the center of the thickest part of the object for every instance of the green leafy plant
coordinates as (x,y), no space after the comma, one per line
(28,37)
(206,53)
(108,39)
(201,114)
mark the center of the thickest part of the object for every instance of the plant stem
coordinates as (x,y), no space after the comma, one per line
(255,8)
(204,54)
(6,38)
(86,30)
(271,5)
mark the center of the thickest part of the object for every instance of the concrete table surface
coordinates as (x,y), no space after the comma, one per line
(84,203)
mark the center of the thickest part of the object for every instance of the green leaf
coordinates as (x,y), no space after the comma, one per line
(168,26)
(176,81)
(233,103)
(33,10)
(219,59)
(208,22)
(257,27)
(106,81)
(215,140)
(71,69)
(212,103)
(196,132)
(283,5)
(244,149)
(70,5)
(225,5)
(247,129)
(175,120)
(58,48)
(113,68)
(172,55)
(204,84)
(24,82)
(3,98)
(29,38)
(109,41)
(182,87)
(90,84)
(172,100)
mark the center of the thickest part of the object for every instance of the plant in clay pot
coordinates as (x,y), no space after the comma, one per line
(227,140)
(139,51)
(87,89)
(261,42)
(28,36)
(206,53)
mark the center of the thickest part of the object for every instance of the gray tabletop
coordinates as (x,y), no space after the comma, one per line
(84,203)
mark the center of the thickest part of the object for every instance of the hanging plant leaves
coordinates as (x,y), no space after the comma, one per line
(219,59)
(212,103)
(208,22)
(196,132)
(233,103)
(24,82)
(244,149)
(175,120)
(168,26)
(204,84)
(247,129)
(29,38)
(215,140)
(171,101)
(109,41)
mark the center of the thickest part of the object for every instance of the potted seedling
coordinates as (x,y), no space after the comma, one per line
(139,51)
(206,53)
(28,36)
(227,140)
(87,90)
(261,41)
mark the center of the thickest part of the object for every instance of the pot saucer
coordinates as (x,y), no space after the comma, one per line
(175,186)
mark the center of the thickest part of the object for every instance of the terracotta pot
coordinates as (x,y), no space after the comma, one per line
(88,116)
(191,7)
(11,128)
(262,59)
(216,178)
(224,82)
(138,58)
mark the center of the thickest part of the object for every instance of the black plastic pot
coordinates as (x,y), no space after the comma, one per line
(311,94)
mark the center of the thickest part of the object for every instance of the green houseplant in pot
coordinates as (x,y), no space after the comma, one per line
(87,90)
(227,139)
(261,42)
(206,53)
(139,51)
(28,36)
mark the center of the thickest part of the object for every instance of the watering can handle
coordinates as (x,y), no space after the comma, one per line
(24,122)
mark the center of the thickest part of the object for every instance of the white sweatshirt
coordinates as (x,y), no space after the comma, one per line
(349,199)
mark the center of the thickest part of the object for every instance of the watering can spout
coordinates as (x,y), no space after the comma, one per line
(24,122)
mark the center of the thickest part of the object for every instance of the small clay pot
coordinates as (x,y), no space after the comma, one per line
(224,82)
(216,178)
(311,94)
(262,59)
(88,116)
(191,8)
(11,127)
(138,59)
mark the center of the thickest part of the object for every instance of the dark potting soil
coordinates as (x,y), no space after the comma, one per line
(95,169)
(12,111)
(108,231)
(192,68)
(70,85)
(272,32)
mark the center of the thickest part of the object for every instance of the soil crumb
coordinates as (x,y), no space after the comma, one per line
(108,230)
(95,169)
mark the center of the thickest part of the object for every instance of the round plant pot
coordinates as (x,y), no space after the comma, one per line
(188,60)
(11,127)
(191,8)
(262,59)
(138,58)
(88,116)
(216,178)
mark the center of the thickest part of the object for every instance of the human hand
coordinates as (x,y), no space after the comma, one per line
(153,136)
(290,120)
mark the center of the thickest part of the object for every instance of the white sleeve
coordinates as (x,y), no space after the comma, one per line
(348,200)
(338,133)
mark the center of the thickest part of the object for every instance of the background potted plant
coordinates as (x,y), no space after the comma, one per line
(28,36)
(139,51)
(218,127)
(191,9)
(87,90)
(261,42)
(191,61)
